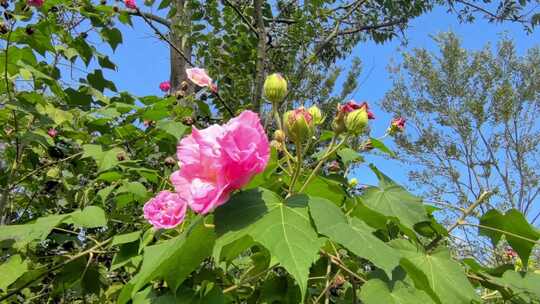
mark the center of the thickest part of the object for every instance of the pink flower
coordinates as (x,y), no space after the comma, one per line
(220,159)
(130,4)
(398,124)
(166,210)
(200,77)
(35,3)
(52,132)
(165,86)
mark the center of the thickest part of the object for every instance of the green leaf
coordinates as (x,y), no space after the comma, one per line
(37,230)
(174,128)
(284,228)
(376,291)
(89,217)
(11,270)
(524,284)
(172,260)
(348,156)
(379,145)
(390,199)
(97,81)
(436,273)
(325,187)
(355,236)
(126,238)
(105,159)
(113,36)
(512,222)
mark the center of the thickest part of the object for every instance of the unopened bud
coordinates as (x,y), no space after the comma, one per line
(298,124)
(316,114)
(188,120)
(353,182)
(279,136)
(277,145)
(121,156)
(397,126)
(169,161)
(334,166)
(52,132)
(275,88)
(184,85)
(356,121)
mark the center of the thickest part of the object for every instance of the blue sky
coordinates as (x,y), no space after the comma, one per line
(143,62)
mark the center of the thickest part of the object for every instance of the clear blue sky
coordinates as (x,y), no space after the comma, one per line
(143,62)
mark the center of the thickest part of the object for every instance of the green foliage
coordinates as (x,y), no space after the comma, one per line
(79,158)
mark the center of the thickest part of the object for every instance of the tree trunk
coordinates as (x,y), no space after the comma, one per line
(179,37)
(261,55)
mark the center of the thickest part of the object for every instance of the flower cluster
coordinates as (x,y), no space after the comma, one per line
(213,163)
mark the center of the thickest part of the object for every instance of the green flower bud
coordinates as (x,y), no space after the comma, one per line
(275,88)
(279,136)
(298,124)
(316,114)
(353,182)
(356,121)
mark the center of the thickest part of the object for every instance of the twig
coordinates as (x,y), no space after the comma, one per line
(150,16)
(242,16)
(162,36)
(500,231)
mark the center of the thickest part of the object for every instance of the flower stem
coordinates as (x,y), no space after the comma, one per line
(297,169)
(329,151)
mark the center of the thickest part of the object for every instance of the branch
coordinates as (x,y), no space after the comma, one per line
(491,14)
(372,27)
(242,16)
(162,36)
(261,55)
(149,16)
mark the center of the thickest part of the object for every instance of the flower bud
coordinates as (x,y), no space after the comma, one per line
(298,124)
(275,88)
(397,126)
(356,121)
(279,136)
(170,161)
(353,182)
(276,145)
(316,114)
(52,132)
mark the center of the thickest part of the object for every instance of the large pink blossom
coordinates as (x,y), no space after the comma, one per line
(166,210)
(220,159)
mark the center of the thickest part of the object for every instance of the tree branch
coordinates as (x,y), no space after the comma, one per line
(261,55)
(372,27)
(149,16)
(242,16)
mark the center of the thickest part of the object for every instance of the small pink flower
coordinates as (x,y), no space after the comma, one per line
(130,4)
(510,253)
(220,159)
(398,124)
(166,210)
(165,86)
(35,3)
(200,77)
(52,132)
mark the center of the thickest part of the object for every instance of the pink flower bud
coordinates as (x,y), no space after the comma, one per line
(52,132)
(165,86)
(396,126)
(35,3)
(298,124)
(166,210)
(130,4)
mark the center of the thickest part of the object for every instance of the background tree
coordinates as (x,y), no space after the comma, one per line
(474,124)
